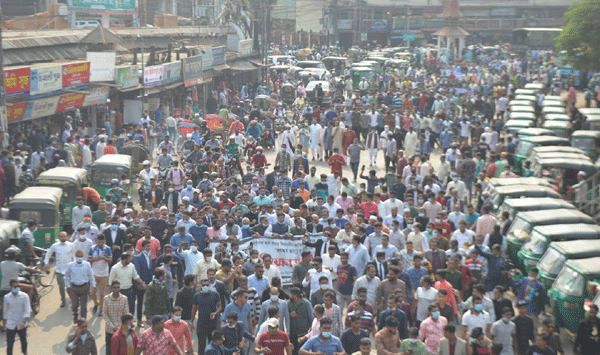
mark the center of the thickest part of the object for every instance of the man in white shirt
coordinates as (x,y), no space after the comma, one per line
(476,317)
(17,311)
(331,260)
(334,184)
(393,216)
(271,270)
(456,216)
(457,185)
(313,275)
(370,282)
(389,204)
(462,235)
(64,252)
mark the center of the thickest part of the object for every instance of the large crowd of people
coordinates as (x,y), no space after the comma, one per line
(404,256)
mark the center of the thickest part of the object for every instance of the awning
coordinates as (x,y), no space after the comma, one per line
(139,86)
(221,67)
(256,62)
(243,65)
(171,86)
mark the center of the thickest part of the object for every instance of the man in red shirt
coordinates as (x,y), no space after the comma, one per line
(258,160)
(119,344)
(110,148)
(273,341)
(336,161)
(445,226)
(369,206)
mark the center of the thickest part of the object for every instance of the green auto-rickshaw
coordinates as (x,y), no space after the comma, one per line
(566,168)
(70,180)
(524,222)
(592,122)
(533,132)
(513,126)
(516,205)
(513,191)
(557,117)
(576,284)
(553,109)
(42,205)
(588,141)
(112,166)
(528,116)
(537,86)
(524,92)
(560,128)
(514,103)
(558,253)
(522,108)
(493,183)
(531,98)
(552,103)
(526,146)
(358,73)
(553,98)
(541,236)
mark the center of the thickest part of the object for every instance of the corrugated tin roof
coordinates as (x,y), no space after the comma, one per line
(100,35)
(42,54)
(29,42)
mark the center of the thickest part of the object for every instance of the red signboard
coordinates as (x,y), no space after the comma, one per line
(16,111)
(75,73)
(70,101)
(16,81)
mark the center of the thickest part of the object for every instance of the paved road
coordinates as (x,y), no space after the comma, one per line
(48,330)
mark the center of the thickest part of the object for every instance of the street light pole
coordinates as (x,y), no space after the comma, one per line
(408,13)
(3,119)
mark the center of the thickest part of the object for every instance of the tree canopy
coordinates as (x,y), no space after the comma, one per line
(580,37)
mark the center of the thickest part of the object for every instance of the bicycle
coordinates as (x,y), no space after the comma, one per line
(46,276)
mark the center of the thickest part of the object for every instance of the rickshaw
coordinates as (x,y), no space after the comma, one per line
(71,181)
(592,122)
(138,153)
(588,141)
(541,236)
(501,193)
(557,117)
(513,126)
(522,108)
(216,125)
(358,73)
(560,128)
(526,145)
(288,93)
(43,205)
(527,116)
(534,132)
(538,87)
(109,167)
(516,205)
(524,222)
(558,253)
(263,102)
(576,285)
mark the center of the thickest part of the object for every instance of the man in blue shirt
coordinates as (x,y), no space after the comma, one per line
(239,305)
(532,292)
(258,281)
(207,305)
(182,236)
(325,343)
(78,279)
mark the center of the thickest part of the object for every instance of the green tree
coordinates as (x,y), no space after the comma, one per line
(580,38)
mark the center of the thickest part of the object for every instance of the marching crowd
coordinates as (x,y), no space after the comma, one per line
(399,258)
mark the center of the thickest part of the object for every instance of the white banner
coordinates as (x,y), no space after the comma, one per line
(45,79)
(102,66)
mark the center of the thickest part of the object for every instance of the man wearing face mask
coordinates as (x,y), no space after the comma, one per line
(115,239)
(115,305)
(475,317)
(274,300)
(504,332)
(64,253)
(325,343)
(207,306)
(124,341)
(431,329)
(17,311)
(80,241)
(78,279)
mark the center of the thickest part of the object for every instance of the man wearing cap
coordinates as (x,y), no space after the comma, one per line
(115,191)
(146,174)
(273,341)
(578,192)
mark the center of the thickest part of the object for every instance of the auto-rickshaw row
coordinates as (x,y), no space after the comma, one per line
(49,203)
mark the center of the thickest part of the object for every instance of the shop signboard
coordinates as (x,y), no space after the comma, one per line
(218,54)
(102,66)
(45,79)
(172,72)
(96,96)
(127,76)
(41,107)
(153,75)
(245,47)
(70,101)
(207,59)
(119,6)
(75,73)
(17,81)
(379,26)
(15,111)
(192,70)
(345,24)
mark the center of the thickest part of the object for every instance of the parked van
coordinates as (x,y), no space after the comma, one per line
(86,24)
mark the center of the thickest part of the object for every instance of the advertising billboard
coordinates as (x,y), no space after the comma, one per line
(45,79)
(75,73)
(17,81)
(117,6)
(192,70)
(102,66)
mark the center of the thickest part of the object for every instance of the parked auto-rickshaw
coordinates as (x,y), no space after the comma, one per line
(538,87)
(527,116)
(592,122)
(513,126)
(553,109)
(43,205)
(288,93)
(576,284)
(526,145)
(560,128)
(553,98)
(493,183)
(70,180)
(513,191)
(557,117)
(522,108)
(516,205)
(588,141)
(524,92)
(335,64)
(534,132)
(541,236)
(524,222)
(553,152)
(375,66)
(552,103)
(558,253)
(112,166)
(138,153)
(358,73)
(589,111)
(513,103)
(566,168)
(531,98)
